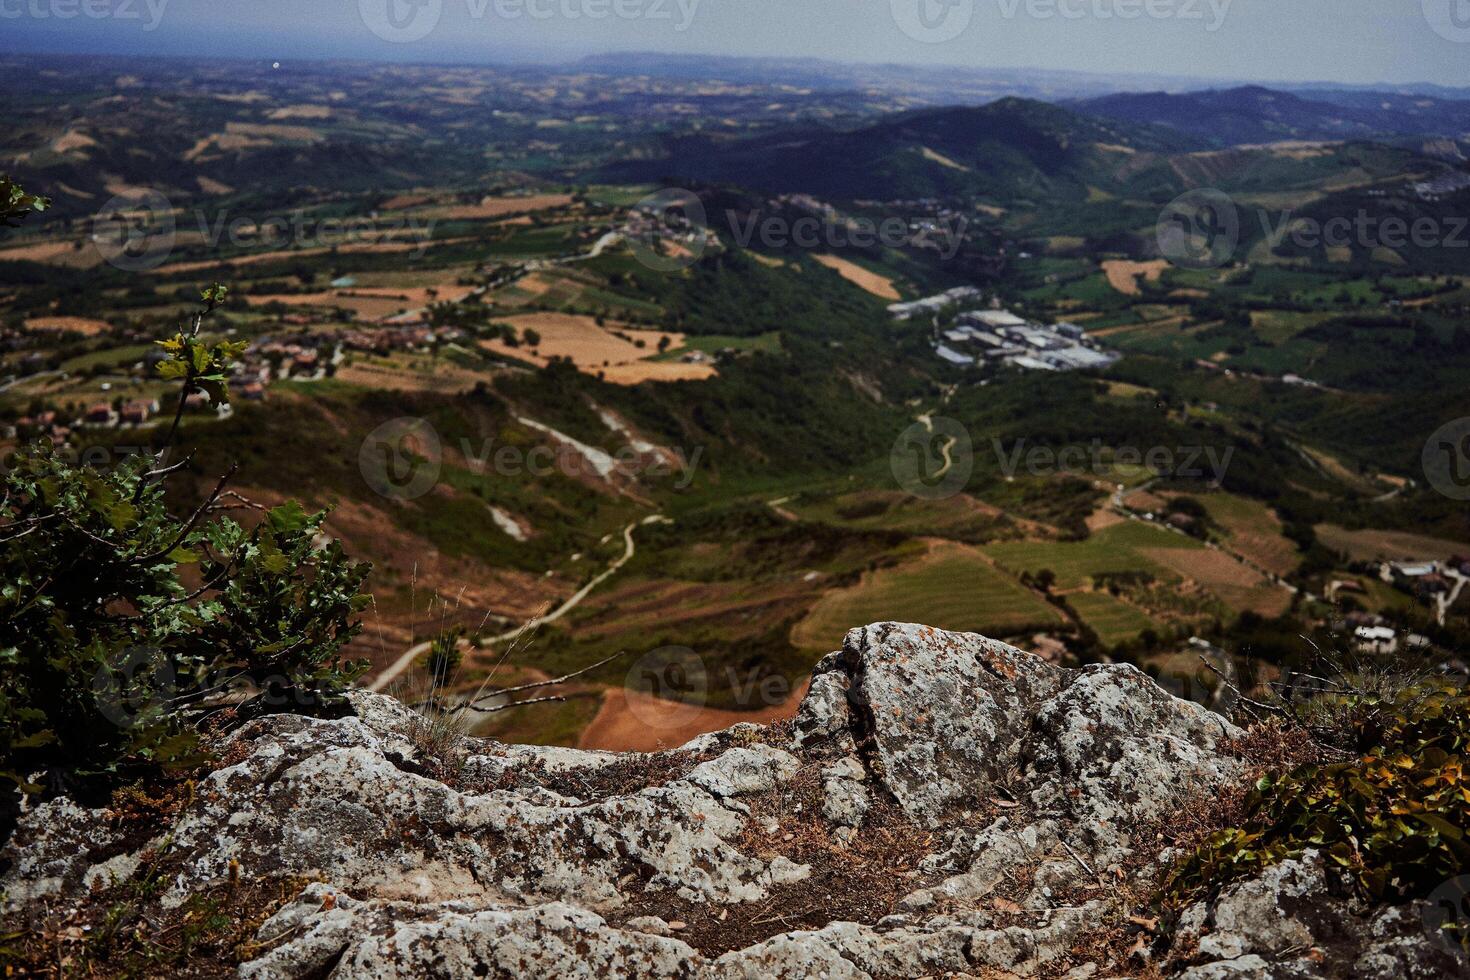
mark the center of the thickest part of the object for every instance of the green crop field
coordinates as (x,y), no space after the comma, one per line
(1113,549)
(1113,620)
(952,588)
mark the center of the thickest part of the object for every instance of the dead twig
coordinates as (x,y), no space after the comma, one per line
(1078,858)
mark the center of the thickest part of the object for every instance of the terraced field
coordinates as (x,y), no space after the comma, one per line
(1113,620)
(1113,549)
(1254,531)
(952,587)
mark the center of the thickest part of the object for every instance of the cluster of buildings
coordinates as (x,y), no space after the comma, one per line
(1001,337)
(1447,183)
(385,339)
(102,415)
(1372,635)
(935,305)
(42,425)
(1426,579)
(651,225)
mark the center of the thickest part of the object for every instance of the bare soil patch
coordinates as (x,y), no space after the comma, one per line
(498,207)
(1236,584)
(630,721)
(69,324)
(611,350)
(55,253)
(1368,545)
(369,302)
(1123,274)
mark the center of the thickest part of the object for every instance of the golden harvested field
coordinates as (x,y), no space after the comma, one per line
(69,324)
(64,253)
(304,111)
(403,201)
(498,207)
(368,302)
(72,140)
(641,371)
(592,348)
(401,374)
(255,258)
(270,131)
(879,286)
(1123,274)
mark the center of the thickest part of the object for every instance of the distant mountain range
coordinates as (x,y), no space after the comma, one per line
(1252,114)
(1020,152)
(1009,149)
(964,84)
(923,84)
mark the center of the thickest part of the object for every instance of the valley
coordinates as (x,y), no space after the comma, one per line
(490,336)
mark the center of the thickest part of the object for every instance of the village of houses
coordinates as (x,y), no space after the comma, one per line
(298,355)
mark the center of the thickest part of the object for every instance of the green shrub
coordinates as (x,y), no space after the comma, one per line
(1393,820)
(107,654)
(107,657)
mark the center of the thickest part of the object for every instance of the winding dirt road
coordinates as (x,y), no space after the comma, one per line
(396,669)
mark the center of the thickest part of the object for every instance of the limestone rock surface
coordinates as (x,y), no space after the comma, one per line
(942,805)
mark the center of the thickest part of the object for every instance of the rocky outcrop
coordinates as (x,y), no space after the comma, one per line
(942,804)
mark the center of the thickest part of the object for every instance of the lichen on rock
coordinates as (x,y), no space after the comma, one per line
(942,804)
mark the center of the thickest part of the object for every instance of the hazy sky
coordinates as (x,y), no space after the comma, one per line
(1267,40)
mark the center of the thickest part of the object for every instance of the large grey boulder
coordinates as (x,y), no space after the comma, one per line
(942,804)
